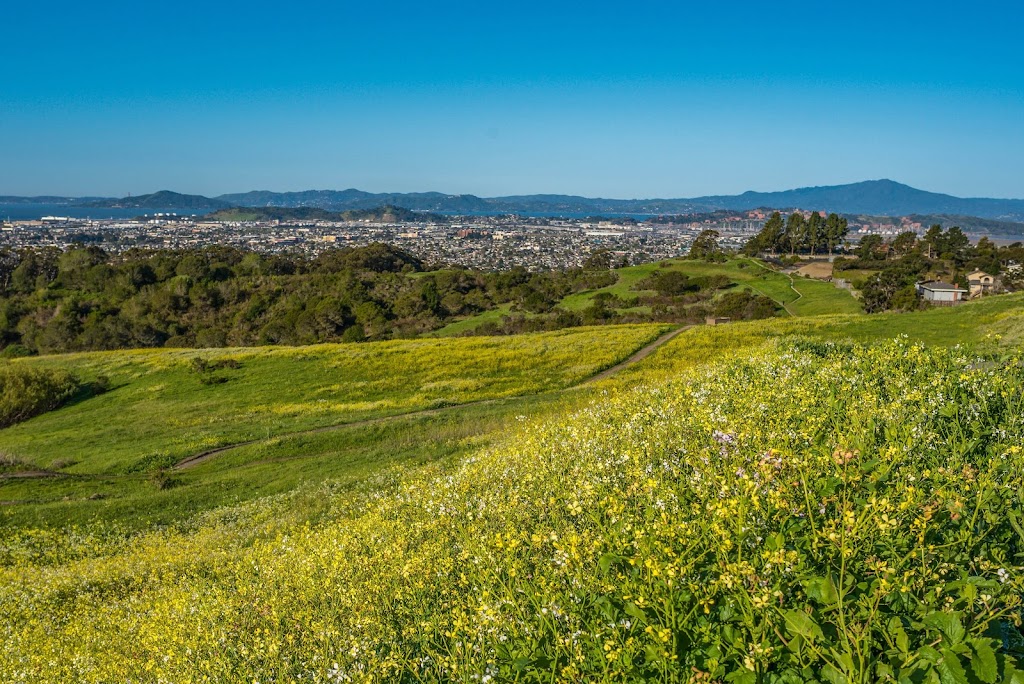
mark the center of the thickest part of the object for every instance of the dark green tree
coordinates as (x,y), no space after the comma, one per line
(835,231)
(705,245)
(795,232)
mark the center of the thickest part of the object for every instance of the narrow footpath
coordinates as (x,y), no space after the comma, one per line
(639,355)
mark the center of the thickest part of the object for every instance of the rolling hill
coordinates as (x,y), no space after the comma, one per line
(164,199)
(874,197)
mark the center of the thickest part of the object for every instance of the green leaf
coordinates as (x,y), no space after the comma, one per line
(800,623)
(948,624)
(606,561)
(899,635)
(834,676)
(742,677)
(950,669)
(775,541)
(984,661)
(823,590)
(633,610)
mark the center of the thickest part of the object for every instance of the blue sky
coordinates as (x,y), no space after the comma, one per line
(641,99)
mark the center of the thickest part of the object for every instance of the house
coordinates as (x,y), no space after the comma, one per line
(940,293)
(981,283)
(717,320)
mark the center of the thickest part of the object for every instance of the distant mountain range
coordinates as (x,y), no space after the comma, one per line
(876,198)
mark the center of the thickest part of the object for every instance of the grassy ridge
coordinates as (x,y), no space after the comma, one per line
(161,409)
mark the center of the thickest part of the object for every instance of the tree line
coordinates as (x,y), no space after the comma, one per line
(798,234)
(82,298)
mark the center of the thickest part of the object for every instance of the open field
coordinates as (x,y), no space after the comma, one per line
(473,322)
(815,269)
(992,323)
(161,409)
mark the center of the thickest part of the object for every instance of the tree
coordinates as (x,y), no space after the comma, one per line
(869,244)
(794,234)
(599,260)
(768,239)
(957,244)
(934,240)
(835,231)
(814,231)
(904,242)
(705,245)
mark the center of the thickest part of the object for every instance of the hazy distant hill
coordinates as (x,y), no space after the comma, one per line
(164,199)
(47,199)
(387,214)
(877,198)
(339,200)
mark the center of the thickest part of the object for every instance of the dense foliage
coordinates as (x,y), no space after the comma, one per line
(84,299)
(27,391)
(813,513)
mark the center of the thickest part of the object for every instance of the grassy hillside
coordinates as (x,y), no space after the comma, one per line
(794,513)
(801,297)
(110,451)
(793,499)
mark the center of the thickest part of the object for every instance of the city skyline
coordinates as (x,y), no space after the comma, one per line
(658,101)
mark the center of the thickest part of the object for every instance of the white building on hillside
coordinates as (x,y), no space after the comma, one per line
(940,293)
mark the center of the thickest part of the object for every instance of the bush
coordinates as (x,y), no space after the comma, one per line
(26,392)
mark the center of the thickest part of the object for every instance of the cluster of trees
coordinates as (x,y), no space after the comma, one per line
(84,299)
(907,259)
(799,234)
(54,301)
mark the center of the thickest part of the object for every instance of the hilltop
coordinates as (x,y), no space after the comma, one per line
(164,199)
(876,197)
(383,214)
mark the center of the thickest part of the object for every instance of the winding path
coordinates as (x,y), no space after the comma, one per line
(637,356)
(204,456)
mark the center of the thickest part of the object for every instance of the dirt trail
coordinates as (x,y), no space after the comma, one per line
(193,461)
(202,457)
(782,304)
(638,356)
(30,475)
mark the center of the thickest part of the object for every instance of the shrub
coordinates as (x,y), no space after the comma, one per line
(27,391)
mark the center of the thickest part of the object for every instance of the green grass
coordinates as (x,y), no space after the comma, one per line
(347,457)
(471,323)
(993,322)
(160,411)
(628,277)
(821,298)
(811,297)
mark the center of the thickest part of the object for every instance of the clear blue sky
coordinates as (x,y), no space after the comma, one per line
(623,99)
